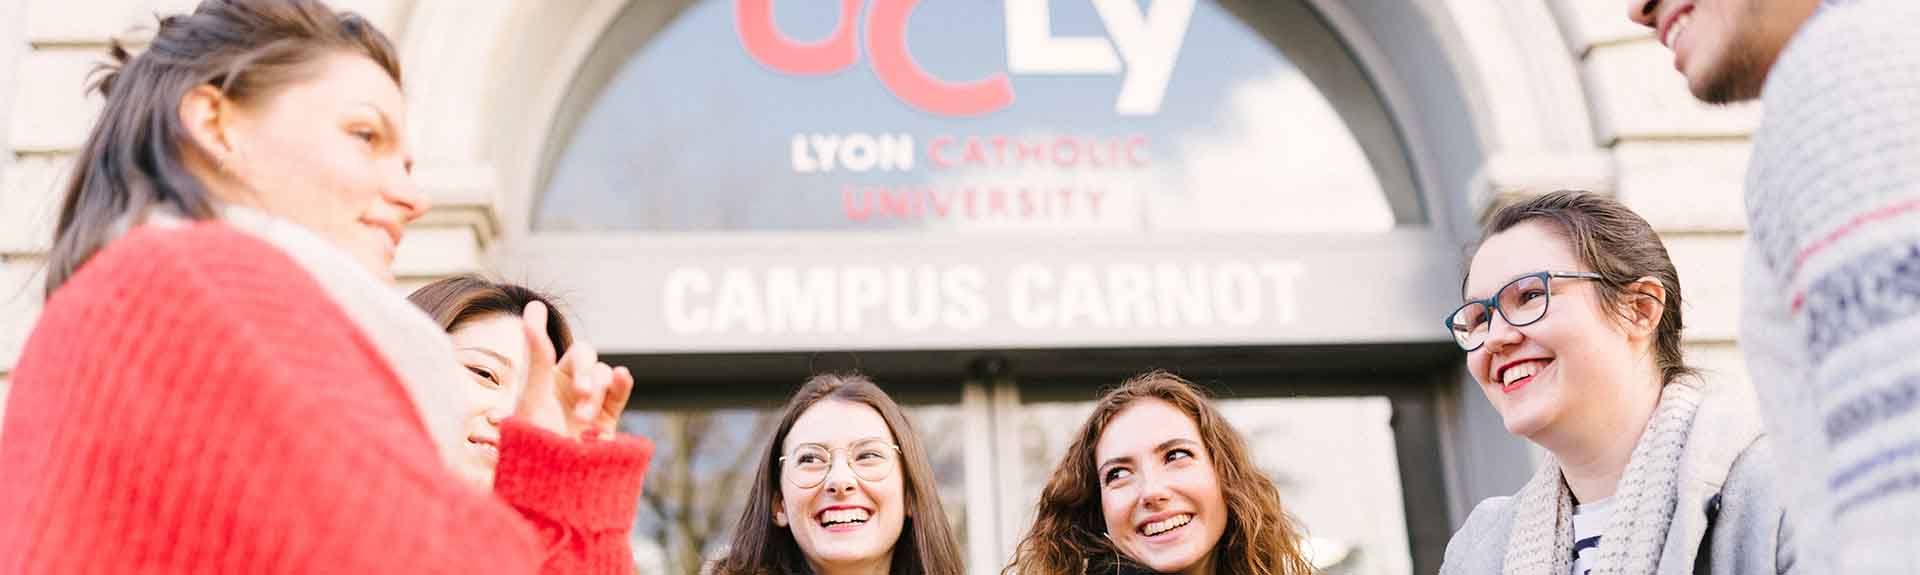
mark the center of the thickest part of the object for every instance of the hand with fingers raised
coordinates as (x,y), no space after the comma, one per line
(578,395)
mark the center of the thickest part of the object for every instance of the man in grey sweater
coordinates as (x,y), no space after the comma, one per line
(1831,318)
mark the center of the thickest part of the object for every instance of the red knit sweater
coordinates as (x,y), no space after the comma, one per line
(193,402)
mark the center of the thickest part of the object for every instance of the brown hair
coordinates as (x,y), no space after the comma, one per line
(926,547)
(1068,534)
(460,299)
(133,159)
(1610,240)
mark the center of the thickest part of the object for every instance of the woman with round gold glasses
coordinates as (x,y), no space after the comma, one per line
(1571,323)
(871,459)
(844,488)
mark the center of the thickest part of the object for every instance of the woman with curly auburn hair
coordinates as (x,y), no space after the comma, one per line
(1158,481)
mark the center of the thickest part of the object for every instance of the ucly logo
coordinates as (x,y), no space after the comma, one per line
(1148,42)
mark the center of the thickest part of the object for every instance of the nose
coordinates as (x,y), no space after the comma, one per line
(1501,334)
(1644,12)
(840,479)
(500,410)
(1153,491)
(404,194)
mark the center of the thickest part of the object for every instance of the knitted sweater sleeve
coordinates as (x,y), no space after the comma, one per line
(1480,546)
(581,495)
(191,402)
(1834,201)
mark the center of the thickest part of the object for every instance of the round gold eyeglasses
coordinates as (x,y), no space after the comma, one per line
(809,463)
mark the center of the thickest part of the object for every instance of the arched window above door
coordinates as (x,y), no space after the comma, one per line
(902,117)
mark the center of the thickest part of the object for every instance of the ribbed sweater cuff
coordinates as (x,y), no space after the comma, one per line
(593,484)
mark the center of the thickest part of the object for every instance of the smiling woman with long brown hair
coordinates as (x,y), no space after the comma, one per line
(843,488)
(1158,481)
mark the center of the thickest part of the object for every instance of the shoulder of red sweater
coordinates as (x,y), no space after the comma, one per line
(170,260)
(189,237)
(202,245)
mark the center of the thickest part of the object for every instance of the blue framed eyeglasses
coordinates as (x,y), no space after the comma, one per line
(1521,302)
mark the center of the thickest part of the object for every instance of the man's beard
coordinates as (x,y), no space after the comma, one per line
(1739,79)
(1742,71)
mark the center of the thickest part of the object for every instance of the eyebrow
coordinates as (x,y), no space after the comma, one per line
(494,354)
(1467,298)
(859,440)
(1163,446)
(386,125)
(385,121)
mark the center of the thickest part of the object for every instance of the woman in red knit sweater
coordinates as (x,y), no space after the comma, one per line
(222,380)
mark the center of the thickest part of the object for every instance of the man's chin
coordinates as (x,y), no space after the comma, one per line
(1723,91)
(1732,80)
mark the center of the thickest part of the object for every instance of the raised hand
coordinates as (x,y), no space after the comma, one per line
(576,395)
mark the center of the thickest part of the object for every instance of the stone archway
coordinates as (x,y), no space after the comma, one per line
(1507,96)
(1495,99)
(1488,97)
(494,82)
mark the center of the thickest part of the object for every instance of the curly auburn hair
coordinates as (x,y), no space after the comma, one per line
(1068,534)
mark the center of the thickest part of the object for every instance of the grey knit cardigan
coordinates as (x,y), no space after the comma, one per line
(1729,506)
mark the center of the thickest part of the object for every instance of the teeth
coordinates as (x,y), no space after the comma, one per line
(1673,31)
(843,516)
(1164,525)
(1518,372)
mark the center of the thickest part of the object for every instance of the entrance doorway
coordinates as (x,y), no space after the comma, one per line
(1348,433)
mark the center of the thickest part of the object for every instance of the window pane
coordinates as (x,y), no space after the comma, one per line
(1332,458)
(703,468)
(694,133)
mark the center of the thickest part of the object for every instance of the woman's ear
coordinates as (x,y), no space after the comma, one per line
(779,512)
(1646,305)
(206,114)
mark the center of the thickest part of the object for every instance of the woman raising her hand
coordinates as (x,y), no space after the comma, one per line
(526,372)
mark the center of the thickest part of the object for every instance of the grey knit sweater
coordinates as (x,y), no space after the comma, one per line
(1831,325)
(1727,516)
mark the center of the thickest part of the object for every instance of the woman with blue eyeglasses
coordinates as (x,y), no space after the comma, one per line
(1571,320)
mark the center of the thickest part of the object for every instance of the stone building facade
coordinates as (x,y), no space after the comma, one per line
(1490,98)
